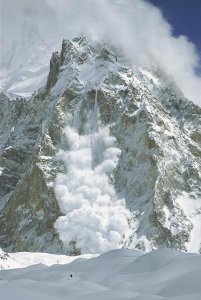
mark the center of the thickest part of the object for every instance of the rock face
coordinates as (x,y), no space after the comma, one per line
(158,133)
(29,207)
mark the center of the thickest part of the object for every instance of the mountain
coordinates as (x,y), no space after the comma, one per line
(25,65)
(105,155)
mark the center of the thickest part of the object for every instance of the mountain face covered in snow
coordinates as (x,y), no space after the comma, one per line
(25,64)
(106,155)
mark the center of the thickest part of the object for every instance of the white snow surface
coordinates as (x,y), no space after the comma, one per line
(192,209)
(25,259)
(118,274)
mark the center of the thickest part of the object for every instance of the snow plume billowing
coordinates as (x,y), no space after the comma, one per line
(136,26)
(94,218)
(141,31)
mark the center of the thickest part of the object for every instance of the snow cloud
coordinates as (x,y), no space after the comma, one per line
(94,218)
(140,30)
(136,26)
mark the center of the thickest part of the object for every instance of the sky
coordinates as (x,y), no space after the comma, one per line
(184,16)
(144,33)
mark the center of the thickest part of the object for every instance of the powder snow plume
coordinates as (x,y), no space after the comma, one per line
(94,218)
(135,26)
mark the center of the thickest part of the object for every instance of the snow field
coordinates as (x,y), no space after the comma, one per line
(119,274)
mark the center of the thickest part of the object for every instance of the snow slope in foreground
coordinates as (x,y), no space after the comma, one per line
(119,274)
(25,259)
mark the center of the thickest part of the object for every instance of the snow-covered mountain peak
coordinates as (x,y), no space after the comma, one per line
(136,174)
(25,65)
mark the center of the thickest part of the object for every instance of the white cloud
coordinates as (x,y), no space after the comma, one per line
(134,25)
(138,28)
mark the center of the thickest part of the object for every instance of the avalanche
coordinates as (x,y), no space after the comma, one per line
(86,189)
